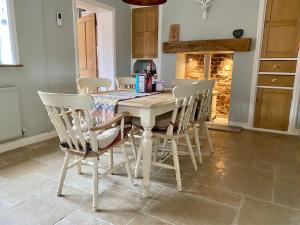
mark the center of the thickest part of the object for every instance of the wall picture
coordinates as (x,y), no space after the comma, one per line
(174,32)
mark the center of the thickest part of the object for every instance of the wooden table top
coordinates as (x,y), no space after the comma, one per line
(151,101)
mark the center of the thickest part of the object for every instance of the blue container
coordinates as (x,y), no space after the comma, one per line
(137,83)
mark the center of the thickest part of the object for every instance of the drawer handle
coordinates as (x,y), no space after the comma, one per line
(276,67)
(275,80)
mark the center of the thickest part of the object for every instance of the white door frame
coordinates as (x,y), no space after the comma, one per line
(259,38)
(295,100)
(75,17)
(257,58)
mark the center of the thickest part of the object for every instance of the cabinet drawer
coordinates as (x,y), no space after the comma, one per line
(276,80)
(278,66)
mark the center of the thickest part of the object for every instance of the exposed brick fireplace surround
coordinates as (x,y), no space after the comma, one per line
(220,70)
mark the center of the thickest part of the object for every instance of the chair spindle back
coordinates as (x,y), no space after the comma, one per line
(204,99)
(185,97)
(125,82)
(70,116)
(92,85)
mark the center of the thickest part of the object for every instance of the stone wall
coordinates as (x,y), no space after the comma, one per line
(221,71)
(194,66)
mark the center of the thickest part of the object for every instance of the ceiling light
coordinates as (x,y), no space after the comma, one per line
(145,2)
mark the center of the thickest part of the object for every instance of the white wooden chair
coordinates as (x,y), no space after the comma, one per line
(88,85)
(201,114)
(179,82)
(125,82)
(92,85)
(172,129)
(209,84)
(202,110)
(81,138)
(128,83)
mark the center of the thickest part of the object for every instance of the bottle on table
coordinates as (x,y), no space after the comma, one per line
(148,79)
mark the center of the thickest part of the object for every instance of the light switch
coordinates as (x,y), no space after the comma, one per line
(59,18)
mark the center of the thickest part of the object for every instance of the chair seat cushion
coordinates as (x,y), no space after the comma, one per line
(105,138)
(162,122)
(108,137)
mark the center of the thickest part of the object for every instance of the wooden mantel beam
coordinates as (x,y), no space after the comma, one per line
(236,45)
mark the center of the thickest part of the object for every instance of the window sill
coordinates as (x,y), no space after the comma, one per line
(11,65)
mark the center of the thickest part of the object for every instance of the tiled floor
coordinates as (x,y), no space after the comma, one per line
(251,179)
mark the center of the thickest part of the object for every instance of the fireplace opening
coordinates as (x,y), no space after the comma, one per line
(215,66)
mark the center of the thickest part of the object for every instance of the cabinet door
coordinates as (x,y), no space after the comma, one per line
(151,35)
(150,45)
(139,20)
(138,49)
(144,32)
(282,29)
(152,19)
(273,108)
(282,10)
(139,23)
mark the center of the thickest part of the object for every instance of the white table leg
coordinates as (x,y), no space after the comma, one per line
(147,121)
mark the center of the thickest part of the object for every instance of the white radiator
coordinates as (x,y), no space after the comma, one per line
(10,117)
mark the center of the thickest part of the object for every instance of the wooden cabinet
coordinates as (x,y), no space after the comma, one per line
(282,29)
(276,80)
(273,108)
(278,66)
(145,32)
(280,45)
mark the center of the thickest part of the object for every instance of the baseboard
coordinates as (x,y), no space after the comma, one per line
(26,141)
(237,124)
(272,131)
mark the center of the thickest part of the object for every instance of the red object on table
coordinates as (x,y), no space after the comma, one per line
(148,82)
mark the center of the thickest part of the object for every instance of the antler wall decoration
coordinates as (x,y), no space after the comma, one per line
(205,4)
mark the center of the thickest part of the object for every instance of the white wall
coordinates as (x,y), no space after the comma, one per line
(47,51)
(48,55)
(106,45)
(224,16)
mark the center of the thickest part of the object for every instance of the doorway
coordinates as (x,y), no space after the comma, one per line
(95,39)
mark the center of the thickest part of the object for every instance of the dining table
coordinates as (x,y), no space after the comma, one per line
(147,109)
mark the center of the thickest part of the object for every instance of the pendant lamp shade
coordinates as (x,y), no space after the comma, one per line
(145,2)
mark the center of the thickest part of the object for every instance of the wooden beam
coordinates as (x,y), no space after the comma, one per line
(236,45)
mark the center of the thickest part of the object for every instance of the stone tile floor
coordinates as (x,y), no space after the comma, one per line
(251,179)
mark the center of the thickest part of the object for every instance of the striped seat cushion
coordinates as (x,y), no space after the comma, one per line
(162,122)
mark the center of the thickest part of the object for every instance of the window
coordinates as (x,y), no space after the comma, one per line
(8,42)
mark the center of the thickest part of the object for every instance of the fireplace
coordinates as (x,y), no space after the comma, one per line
(212,65)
